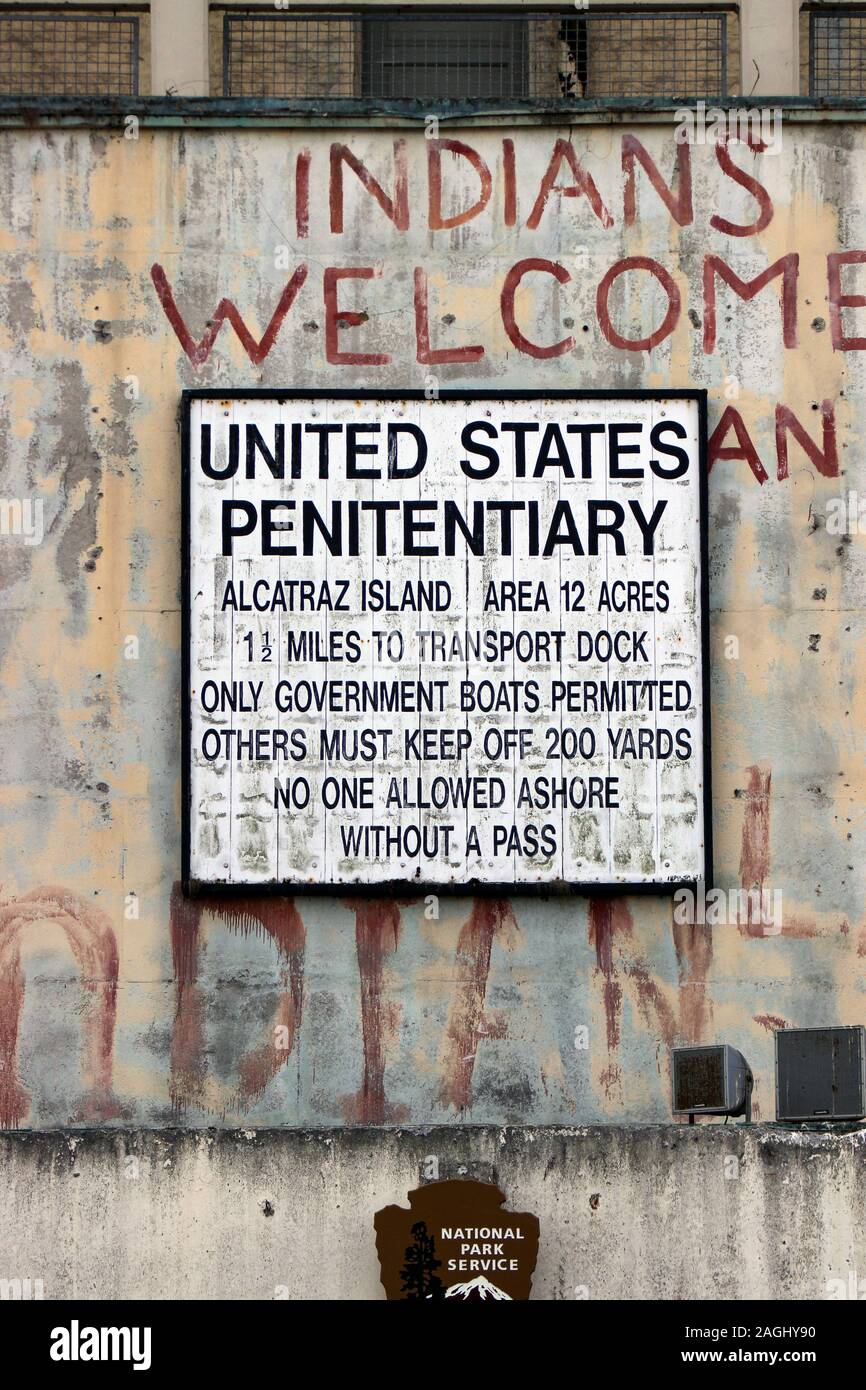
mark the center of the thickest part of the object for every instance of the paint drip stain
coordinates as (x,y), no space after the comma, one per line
(275,919)
(468,1020)
(377,935)
(772,1022)
(94,947)
(755,849)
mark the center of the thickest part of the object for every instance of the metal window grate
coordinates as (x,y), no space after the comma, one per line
(68,54)
(463,54)
(837,52)
(448,57)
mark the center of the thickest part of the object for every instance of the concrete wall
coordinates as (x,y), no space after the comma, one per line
(660,1212)
(122,1002)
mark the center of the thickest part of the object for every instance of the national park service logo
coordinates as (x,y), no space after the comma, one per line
(456,1242)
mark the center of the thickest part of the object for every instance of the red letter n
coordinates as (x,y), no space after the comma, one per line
(396,208)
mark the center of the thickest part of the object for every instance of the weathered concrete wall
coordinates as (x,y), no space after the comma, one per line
(132,267)
(660,1212)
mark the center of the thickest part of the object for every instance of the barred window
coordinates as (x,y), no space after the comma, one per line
(462,54)
(424,57)
(68,54)
(837,51)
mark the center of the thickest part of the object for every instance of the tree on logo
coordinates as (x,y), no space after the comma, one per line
(419,1280)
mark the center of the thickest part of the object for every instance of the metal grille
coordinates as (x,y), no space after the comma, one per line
(699,1079)
(837,52)
(461,54)
(54,55)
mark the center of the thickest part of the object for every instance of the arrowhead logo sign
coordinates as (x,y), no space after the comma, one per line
(455,1241)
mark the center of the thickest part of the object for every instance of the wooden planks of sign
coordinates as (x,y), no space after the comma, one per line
(450,642)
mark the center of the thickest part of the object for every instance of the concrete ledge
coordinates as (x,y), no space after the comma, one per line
(264,112)
(659,1212)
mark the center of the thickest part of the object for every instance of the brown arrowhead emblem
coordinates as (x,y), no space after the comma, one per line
(455,1241)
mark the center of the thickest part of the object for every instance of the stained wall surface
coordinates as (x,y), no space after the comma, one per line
(137,261)
(651,1212)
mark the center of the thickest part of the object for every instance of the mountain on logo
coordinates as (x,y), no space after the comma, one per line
(477,1289)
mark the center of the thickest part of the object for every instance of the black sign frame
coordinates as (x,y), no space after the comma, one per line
(405,887)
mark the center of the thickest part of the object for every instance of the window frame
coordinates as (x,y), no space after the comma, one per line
(131,15)
(367,14)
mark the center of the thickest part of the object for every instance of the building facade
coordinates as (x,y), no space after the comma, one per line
(604,197)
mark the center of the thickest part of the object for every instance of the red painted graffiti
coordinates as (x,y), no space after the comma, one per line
(678,203)
(607,919)
(755,846)
(377,933)
(786,266)
(428,356)
(611,932)
(468,1021)
(693,944)
(745,180)
(512,284)
(583,185)
(302,193)
(824,457)
(602,304)
(199,351)
(276,919)
(436,218)
(395,208)
(772,1022)
(94,946)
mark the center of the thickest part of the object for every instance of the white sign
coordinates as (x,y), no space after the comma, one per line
(445,642)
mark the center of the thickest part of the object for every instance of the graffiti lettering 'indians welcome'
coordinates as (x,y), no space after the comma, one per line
(518,198)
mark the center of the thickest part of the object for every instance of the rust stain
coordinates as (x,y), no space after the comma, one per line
(755,850)
(771,1022)
(94,946)
(468,1022)
(801,928)
(611,1078)
(651,1001)
(276,919)
(693,944)
(14,1100)
(609,917)
(186,1082)
(611,926)
(377,933)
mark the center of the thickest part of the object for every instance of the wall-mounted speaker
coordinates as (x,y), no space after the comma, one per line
(821,1073)
(710,1081)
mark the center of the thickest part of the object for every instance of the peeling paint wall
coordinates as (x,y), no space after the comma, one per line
(134,267)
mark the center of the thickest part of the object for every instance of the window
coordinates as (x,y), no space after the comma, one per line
(461,54)
(429,58)
(836,51)
(69,53)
